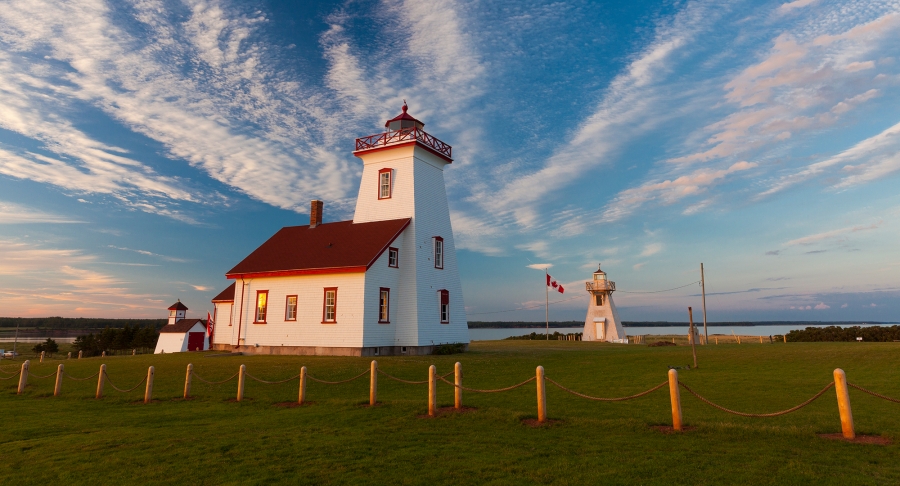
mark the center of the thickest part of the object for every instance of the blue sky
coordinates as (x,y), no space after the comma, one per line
(147,146)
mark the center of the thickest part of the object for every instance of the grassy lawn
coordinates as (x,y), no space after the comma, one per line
(338,439)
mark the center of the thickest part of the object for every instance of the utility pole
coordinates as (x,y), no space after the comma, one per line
(547,305)
(692,335)
(703,291)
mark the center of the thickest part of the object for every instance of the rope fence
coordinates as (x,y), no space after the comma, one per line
(878,395)
(758,415)
(110,383)
(840,385)
(216,382)
(489,391)
(620,399)
(248,375)
(337,382)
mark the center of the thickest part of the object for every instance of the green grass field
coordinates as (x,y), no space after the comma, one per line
(212,439)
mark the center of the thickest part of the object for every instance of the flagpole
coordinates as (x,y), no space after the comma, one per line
(547,306)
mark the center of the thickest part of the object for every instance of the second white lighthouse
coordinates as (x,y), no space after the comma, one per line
(602,322)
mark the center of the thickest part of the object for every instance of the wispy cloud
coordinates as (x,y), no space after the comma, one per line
(11,213)
(831,235)
(150,253)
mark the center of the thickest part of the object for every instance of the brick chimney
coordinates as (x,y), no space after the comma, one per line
(315,213)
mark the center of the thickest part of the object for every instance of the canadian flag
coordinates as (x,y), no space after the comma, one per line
(556,285)
(210,325)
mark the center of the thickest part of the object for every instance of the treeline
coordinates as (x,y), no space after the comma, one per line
(112,340)
(740,323)
(556,336)
(834,333)
(78,322)
(522,324)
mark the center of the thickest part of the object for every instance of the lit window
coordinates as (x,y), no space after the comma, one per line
(290,309)
(329,312)
(384,306)
(438,252)
(171,313)
(393,257)
(262,297)
(445,306)
(384,183)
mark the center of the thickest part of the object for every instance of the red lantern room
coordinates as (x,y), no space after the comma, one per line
(403,120)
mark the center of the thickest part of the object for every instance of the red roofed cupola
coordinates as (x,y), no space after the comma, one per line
(177,311)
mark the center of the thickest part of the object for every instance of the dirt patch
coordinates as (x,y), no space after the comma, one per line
(660,343)
(668,429)
(860,439)
(141,401)
(533,423)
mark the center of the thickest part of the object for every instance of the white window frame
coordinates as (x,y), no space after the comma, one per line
(438,253)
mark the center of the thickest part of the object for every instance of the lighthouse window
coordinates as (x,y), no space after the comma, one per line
(290,311)
(599,298)
(445,306)
(262,297)
(384,183)
(329,311)
(384,306)
(438,252)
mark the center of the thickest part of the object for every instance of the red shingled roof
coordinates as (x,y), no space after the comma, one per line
(178,306)
(403,116)
(226,295)
(183,325)
(341,247)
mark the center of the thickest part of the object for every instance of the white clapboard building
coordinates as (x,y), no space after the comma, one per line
(180,333)
(385,282)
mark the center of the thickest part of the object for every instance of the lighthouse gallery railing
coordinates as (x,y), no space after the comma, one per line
(404,135)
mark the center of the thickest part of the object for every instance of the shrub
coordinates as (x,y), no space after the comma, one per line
(449,348)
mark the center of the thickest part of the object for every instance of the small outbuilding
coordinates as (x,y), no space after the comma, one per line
(182,334)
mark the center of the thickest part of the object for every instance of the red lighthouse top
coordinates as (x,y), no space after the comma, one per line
(403,120)
(403,129)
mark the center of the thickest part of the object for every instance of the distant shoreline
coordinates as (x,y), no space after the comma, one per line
(562,324)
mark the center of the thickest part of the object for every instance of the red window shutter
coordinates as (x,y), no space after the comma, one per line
(445,297)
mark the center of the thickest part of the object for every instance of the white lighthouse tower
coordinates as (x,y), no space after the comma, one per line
(602,321)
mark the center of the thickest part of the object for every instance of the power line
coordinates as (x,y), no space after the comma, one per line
(578,296)
(656,291)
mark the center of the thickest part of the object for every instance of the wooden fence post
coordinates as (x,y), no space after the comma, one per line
(69,356)
(79,354)
(240,391)
(42,356)
(23,377)
(843,398)
(101,379)
(302,397)
(57,389)
(373,383)
(134,352)
(541,395)
(148,391)
(457,380)
(187,380)
(432,390)
(675,398)
(103,354)
(785,338)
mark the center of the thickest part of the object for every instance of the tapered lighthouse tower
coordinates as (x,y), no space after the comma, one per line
(602,321)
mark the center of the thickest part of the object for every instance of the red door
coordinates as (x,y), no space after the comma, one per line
(195,341)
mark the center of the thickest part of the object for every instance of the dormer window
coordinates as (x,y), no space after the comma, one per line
(438,252)
(385,183)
